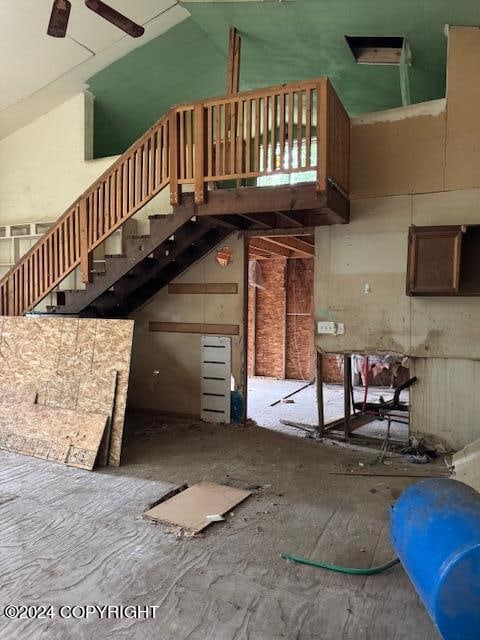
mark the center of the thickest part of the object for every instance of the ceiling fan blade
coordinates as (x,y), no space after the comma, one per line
(57,27)
(112,15)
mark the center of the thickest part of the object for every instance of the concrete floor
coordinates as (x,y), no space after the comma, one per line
(262,392)
(76,537)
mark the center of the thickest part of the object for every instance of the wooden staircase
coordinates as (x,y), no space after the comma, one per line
(289,129)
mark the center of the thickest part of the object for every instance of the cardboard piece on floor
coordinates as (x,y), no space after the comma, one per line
(59,435)
(190,508)
(37,348)
(17,395)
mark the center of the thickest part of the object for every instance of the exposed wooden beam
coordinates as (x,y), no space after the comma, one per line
(291,218)
(264,220)
(309,239)
(255,233)
(273,247)
(291,199)
(233,69)
(261,253)
(295,244)
(231,222)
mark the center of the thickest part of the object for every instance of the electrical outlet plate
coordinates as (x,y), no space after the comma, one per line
(331,328)
(326,327)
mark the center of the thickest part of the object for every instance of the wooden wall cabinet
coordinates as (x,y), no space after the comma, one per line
(444,261)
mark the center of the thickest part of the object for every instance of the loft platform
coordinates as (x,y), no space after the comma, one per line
(232,154)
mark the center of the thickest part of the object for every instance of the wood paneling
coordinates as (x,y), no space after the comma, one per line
(195,327)
(463,95)
(401,152)
(203,287)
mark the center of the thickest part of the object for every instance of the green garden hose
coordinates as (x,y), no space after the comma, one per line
(333,567)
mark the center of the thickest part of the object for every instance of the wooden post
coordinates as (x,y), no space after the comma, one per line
(322,134)
(86,262)
(173,150)
(233,69)
(319,382)
(233,85)
(347,385)
(199,163)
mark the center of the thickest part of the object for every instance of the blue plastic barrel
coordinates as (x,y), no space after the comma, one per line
(435,530)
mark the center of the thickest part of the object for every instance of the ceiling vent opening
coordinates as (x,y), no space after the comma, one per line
(377,49)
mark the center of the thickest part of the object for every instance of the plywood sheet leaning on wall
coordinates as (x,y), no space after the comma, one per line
(13,395)
(93,393)
(59,435)
(35,349)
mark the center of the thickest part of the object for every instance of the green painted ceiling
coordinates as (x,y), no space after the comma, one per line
(281,42)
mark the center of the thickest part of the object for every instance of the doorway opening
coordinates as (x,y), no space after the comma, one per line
(281,356)
(366,396)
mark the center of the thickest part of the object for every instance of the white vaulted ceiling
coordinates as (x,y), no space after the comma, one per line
(39,72)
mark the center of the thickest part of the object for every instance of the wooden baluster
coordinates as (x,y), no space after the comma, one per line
(118,208)
(166,150)
(265,122)
(191,125)
(151,163)
(240,143)
(232,129)
(95,213)
(125,182)
(218,137)
(209,141)
(225,121)
(299,128)
(181,137)
(322,135)
(66,240)
(273,134)
(281,131)
(131,182)
(71,237)
(248,135)
(290,131)
(20,290)
(138,176)
(308,128)
(173,152)
(77,230)
(256,148)
(41,283)
(145,157)
(113,200)
(199,173)
(159,158)
(11,297)
(61,248)
(86,262)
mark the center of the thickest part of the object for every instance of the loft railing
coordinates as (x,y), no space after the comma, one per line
(242,137)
